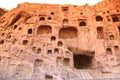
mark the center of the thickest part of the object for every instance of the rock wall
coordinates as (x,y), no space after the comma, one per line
(60,42)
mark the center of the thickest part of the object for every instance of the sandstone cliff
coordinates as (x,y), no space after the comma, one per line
(60,42)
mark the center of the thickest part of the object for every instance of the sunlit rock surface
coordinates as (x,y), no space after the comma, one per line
(60,42)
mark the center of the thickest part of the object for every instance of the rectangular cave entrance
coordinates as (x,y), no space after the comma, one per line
(82,61)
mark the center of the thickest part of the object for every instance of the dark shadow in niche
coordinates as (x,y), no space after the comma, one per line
(109,51)
(19,28)
(66,62)
(42,18)
(44,29)
(49,52)
(100,33)
(53,38)
(38,63)
(29,31)
(38,50)
(25,42)
(115,19)
(60,43)
(49,18)
(82,23)
(119,29)
(15,26)
(56,50)
(34,49)
(112,37)
(1,42)
(82,61)
(48,77)
(65,21)
(99,18)
(2,34)
(15,19)
(117,51)
(59,60)
(65,8)
(52,13)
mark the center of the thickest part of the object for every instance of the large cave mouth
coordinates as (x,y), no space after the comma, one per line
(82,61)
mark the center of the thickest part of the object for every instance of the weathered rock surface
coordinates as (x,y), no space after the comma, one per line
(2,11)
(60,42)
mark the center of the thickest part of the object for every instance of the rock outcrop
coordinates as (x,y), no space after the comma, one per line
(60,42)
(2,11)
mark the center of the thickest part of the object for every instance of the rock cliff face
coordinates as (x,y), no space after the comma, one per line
(60,42)
(2,11)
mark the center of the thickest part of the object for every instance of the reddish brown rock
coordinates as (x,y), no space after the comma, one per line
(60,42)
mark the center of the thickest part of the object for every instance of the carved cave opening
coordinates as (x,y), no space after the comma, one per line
(99,18)
(52,13)
(49,52)
(66,61)
(119,29)
(115,19)
(19,28)
(109,51)
(25,42)
(65,8)
(2,34)
(48,77)
(116,50)
(29,31)
(112,37)
(53,38)
(42,18)
(49,18)
(15,26)
(65,21)
(1,42)
(100,33)
(82,23)
(8,36)
(38,63)
(82,61)
(59,60)
(56,50)
(60,43)
(44,29)
(34,49)
(68,32)
(38,50)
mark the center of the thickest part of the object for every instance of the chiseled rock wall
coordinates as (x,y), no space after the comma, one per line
(60,42)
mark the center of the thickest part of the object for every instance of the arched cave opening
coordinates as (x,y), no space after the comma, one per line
(82,61)
(29,31)
(44,29)
(68,32)
(66,61)
(112,37)
(38,63)
(42,18)
(53,38)
(99,18)
(115,19)
(109,51)
(65,21)
(60,43)
(82,23)
(100,33)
